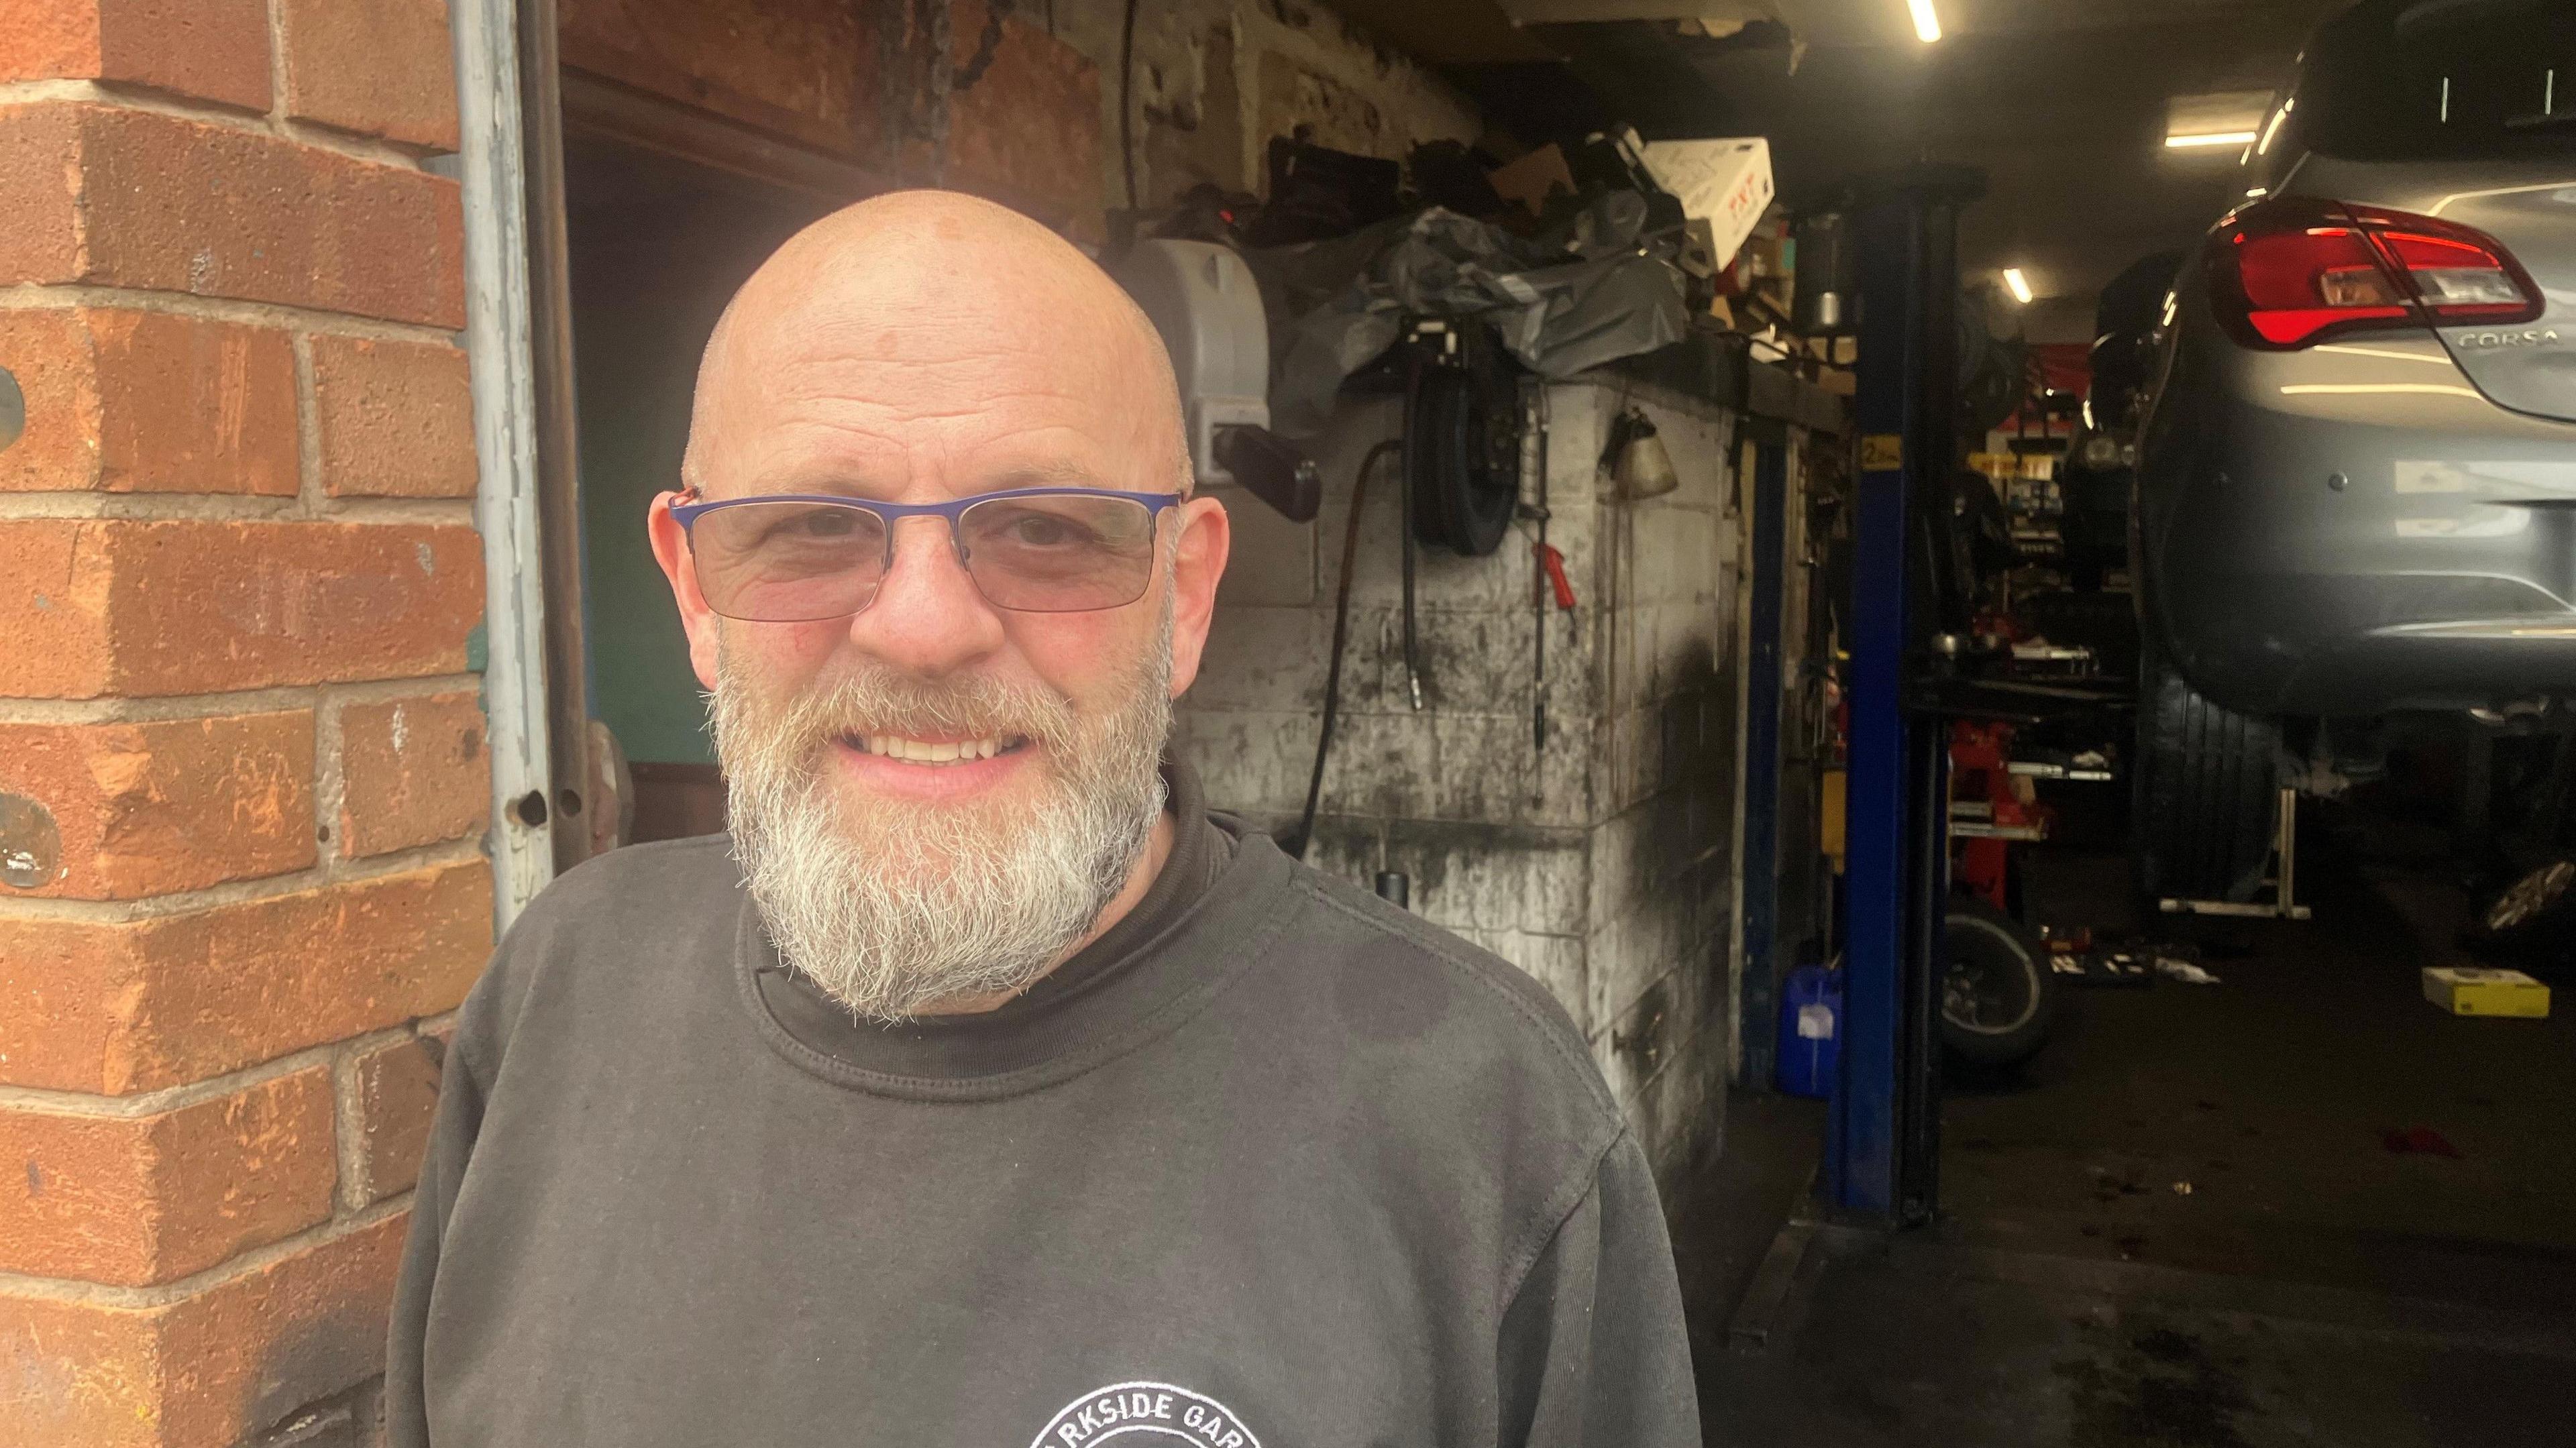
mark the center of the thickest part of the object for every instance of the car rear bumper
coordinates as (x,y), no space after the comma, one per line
(2355,530)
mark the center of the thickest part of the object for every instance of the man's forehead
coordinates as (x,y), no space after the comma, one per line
(898,386)
(829,417)
(973,455)
(919,347)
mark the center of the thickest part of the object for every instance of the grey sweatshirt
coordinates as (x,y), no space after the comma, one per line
(1282,1168)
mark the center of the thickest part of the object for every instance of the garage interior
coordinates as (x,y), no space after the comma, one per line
(2244,1184)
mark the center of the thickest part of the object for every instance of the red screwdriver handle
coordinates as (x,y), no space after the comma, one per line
(1554,563)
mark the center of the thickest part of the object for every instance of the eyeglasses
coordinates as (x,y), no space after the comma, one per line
(798,558)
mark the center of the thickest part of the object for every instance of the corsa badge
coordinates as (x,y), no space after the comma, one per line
(1145,1415)
(2534,337)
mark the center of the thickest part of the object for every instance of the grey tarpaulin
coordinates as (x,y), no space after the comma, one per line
(1588,293)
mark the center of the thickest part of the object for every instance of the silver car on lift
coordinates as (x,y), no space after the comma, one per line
(2356,479)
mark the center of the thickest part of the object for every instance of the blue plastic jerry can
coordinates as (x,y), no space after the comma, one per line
(1811,1030)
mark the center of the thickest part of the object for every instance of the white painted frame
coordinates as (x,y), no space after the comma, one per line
(490,125)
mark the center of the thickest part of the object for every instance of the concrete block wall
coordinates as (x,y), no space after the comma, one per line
(242,762)
(1598,861)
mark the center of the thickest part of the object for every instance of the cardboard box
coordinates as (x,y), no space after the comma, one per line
(1727,183)
(1532,179)
(2466,990)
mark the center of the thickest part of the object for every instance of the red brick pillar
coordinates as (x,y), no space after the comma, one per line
(242,769)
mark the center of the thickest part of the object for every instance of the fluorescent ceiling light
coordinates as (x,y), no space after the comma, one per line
(1926,24)
(2374,389)
(2216,118)
(2020,284)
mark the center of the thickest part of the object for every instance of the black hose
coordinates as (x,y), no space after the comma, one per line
(1412,667)
(1539,592)
(1295,843)
(1412,465)
(1127,101)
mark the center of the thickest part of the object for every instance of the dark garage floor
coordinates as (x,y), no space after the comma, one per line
(2309,1287)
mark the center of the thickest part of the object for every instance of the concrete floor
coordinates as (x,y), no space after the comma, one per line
(2310,1286)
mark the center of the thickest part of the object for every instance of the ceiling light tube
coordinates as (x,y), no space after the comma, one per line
(1927,25)
(2019,284)
(2212,138)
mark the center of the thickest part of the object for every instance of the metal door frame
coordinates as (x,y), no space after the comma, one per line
(499,323)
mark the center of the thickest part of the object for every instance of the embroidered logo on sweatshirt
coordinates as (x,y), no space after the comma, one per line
(1145,1413)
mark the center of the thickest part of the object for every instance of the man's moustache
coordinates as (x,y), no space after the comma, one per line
(981,713)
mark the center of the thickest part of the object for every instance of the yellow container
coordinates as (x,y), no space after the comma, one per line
(2473,991)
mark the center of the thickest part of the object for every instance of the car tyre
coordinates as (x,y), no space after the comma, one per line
(1998,998)
(2207,791)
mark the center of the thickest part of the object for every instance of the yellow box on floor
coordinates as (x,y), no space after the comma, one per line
(2465,990)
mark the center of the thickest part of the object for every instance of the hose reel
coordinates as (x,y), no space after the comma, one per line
(1462,435)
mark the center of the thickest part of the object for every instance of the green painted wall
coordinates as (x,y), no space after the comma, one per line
(658,245)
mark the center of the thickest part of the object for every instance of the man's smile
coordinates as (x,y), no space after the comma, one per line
(933,751)
(930,769)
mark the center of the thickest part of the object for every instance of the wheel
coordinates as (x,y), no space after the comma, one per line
(2207,787)
(1996,996)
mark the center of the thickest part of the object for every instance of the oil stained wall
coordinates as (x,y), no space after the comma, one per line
(1598,860)
(1214,80)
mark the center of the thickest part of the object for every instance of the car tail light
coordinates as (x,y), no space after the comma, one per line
(2291,271)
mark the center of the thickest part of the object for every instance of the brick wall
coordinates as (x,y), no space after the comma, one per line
(242,763)
(1025,133)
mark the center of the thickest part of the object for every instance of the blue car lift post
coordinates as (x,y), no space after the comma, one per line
(1882,1147)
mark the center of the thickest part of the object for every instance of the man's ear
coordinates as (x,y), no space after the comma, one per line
(1198,562)
(671,550)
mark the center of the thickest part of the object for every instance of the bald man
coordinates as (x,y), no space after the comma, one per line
(980,1086)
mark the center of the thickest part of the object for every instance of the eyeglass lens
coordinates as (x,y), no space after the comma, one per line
(790,562)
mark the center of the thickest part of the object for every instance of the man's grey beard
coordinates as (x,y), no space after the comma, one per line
(890,906)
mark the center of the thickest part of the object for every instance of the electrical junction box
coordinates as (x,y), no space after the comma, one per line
(1725,183)
(2466,990)
(1202,298)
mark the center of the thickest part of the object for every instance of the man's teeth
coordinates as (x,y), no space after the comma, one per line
(916,751)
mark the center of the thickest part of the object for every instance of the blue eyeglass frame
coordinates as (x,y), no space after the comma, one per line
(686,514)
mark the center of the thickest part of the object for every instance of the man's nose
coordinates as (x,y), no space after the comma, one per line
(927,618)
